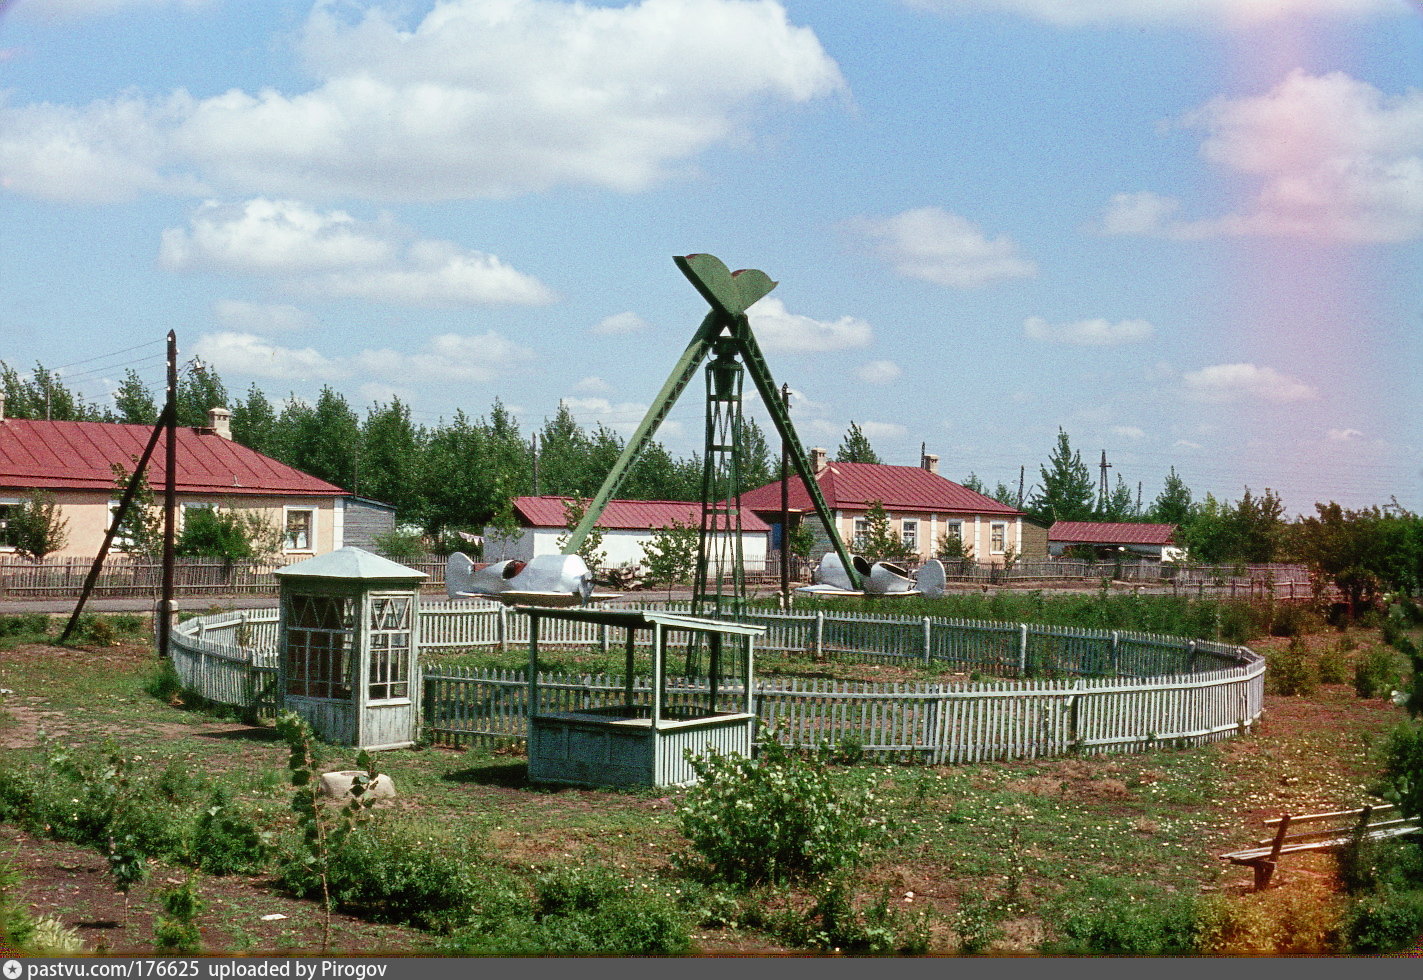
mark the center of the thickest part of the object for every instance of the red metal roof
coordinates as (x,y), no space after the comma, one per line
(854,486)
(1104,532)
(35,454)
(626,515)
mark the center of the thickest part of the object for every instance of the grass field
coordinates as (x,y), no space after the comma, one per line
(1023,857)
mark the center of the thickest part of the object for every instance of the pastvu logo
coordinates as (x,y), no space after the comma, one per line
(12,969)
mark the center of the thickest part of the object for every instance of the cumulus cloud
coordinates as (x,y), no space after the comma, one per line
(593,385)
(1128,432)
(1236,382)
(1332,158)
(780,331)
(261,318)
(1088,333)
(444,358)
(330,253)
(1343,435)
(620,323)
(883,430)
(878,372)
(1225,14)
(941,247)
(476,99)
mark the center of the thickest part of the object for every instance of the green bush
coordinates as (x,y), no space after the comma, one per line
(1292,671)
(587,911)
(1378,673)
(833,922)
(1384,921)
(1124,925)
(26,625)
(1334,664)
(776,818)
(390,872)
(227,841)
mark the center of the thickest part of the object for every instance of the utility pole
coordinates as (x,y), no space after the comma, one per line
(170,498)
(786,507)
(534,452)
(1138,498)
(1102,485)
(1022,472)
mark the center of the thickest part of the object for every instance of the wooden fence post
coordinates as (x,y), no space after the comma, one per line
(819,648)
(502,643)
(1116,651)
(1023,650)
(928,638)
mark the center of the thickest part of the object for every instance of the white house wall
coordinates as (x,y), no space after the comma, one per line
(622,547)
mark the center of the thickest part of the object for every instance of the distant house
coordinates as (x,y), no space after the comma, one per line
(627,525)
(1110,540)
(922,506)
(74,461)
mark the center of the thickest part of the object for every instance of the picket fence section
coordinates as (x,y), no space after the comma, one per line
(1020,691)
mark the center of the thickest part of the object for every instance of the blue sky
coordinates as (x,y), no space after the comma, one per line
(1185,231)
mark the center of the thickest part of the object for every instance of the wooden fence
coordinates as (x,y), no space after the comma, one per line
(1051,690)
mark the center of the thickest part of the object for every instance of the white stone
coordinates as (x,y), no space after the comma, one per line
(338,785)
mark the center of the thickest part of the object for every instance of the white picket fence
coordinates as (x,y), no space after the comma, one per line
(1049,690)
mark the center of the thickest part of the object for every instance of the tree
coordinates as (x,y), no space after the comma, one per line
(34,527)
(254,423)
(1066,491)
(756,466)
(231,535)
(1173,504)
(1363,552)
(856,447)
(879,542)
(141,530)
(1253,531)
(1120,503)
(573,511)
(975,484)
(199,389)
(670,556)
(390,456)
(133,402)
(322,439)
(43,395)
(953,548)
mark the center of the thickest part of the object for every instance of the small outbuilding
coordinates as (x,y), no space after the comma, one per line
(1109,540)
(642,738)
(348,648)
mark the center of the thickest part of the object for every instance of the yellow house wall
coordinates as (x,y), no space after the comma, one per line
(977,531)
(88,515)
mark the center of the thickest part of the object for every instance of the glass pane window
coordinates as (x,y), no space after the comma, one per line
(320,637)
(999,538)
(862,530)
(300,525)
(390,653)
(7,532)
(909,534)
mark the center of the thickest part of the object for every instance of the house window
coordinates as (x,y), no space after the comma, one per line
(122,541)
(954,529)
(390,647)
(909,534)
(320,634)
(8,509)
(188,508)
(998,537)
(862,530)
(301,529)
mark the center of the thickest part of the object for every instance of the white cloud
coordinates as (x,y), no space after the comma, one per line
(1343,435)
(620,323)
(332,254)
(780,331)
(1088,333)
(878,372)
(1225,14)
(883,430)
(940,247)
(1187,444)
(261,318)
(477,99)
(245,353)
(1332,158)
(445,358)
(1128,432)
(593,385)
(1234,382)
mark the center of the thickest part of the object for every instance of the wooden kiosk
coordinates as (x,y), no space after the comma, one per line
(640,738)
(348,648)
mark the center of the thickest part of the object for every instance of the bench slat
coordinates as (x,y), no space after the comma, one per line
(1332,814)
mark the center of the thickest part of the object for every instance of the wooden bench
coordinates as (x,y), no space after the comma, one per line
(1320,832)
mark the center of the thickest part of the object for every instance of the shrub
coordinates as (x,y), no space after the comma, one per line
(1291,671)
(776,818)
(26,625)
(1303,919)
(1378,673)
(175,929)
(977,923)
(832,922)
(1125,925)
(226,841)
(1384,921)
(1334,664)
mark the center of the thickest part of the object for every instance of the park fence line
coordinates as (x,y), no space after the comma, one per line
(1027,691)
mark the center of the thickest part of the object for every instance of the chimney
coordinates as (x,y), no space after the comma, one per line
(930,462)
(220,421)
(817,459)
(2,406)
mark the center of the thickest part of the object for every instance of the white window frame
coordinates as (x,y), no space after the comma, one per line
(7,502)
(287,544)
(953,529)
(861,527)
(909,533)
(997,537)
(187,505)
(120,542)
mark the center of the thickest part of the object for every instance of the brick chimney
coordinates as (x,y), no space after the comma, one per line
(817,459)
(220,421)
(930,462)
(2,406)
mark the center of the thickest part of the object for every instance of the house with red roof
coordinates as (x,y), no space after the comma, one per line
(73,461)
(627,525)
(1112,540)
(923,507)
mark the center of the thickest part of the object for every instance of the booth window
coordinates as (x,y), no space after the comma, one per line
(390,648)
(301,528)
(320,634)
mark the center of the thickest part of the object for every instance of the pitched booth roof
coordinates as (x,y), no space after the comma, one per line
(44,455)
(854,486)
(1104,532)
(625,515)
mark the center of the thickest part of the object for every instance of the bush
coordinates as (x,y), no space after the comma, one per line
(1291,672)
(27,625)
(1303,919)
(832,922)
(226,841)
(1384,921)
(1334,664)
(1124,925)
(576,911)
(776,818)
(1378,673)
